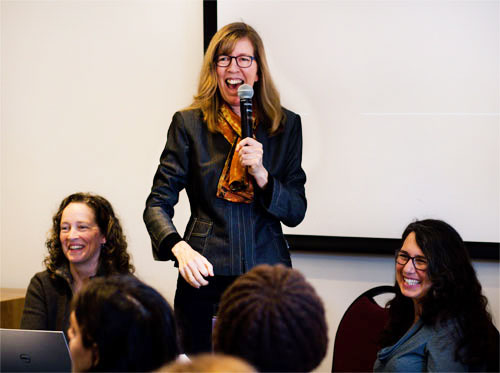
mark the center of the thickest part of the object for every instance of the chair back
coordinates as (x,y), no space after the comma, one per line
(356,342)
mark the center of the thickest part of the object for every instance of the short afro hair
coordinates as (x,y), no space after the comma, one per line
(272,318)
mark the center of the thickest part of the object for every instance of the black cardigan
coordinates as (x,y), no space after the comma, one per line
(48,300)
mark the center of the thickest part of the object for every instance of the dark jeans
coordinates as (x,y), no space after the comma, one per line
(194,309)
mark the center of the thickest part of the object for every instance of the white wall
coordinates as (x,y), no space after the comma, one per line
(400,103)
(88,91)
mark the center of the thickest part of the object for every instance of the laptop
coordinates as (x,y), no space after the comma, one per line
(33,351)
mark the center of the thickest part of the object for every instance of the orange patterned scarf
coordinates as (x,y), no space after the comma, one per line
(234,184)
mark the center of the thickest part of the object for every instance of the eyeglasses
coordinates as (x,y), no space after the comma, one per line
(242,61)
(420,263)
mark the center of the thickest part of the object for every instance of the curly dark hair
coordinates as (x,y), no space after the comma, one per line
(272,318)
(130,324)
(114,257)
(455,294)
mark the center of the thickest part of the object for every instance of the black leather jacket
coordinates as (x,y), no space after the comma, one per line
(234,237)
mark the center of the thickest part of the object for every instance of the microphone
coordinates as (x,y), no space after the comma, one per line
(245,93)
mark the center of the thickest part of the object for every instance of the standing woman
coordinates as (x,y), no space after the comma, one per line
(240,190)
(86,240)
(438,320)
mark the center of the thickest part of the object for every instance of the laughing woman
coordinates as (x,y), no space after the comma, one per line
(438,320)
(86,240)
(239,190)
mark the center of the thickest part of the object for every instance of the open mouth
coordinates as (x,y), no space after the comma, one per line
(75,247)
(411,282)
(234,83)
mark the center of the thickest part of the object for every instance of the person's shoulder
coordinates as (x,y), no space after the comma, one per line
(442,348)
(188,119)
(446,326)
(288,111)
(190,115)
(293,122)
(289,114)
(41,279)
(42,275)
(444,332)
(291,117)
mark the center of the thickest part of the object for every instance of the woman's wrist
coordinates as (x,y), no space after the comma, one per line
(262,178)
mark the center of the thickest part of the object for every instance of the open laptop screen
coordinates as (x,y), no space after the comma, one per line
(34,351)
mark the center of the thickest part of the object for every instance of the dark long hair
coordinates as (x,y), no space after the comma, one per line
(129,322)
(272,318)
(455,294)
(114,257)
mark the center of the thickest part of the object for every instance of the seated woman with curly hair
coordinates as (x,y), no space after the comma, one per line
(86,241)
(438,320)
(120,324)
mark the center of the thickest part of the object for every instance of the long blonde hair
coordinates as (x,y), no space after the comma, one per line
(266,100)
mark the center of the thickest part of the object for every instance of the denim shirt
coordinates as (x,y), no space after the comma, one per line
(423,348)
(234,237)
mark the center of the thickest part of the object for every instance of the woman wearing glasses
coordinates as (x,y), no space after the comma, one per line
(240,190)
(438,319)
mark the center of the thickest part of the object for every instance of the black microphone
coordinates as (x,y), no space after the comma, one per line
(245,93)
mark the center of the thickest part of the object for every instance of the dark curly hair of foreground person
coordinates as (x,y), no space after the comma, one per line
(273,318)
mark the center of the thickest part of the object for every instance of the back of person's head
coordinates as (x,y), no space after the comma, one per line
(273,318)
(129,324)
(209,363)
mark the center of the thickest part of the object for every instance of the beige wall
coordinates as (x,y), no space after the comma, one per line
(400,105)
(88,89)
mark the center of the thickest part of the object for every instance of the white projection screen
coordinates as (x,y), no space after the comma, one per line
(400,109)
